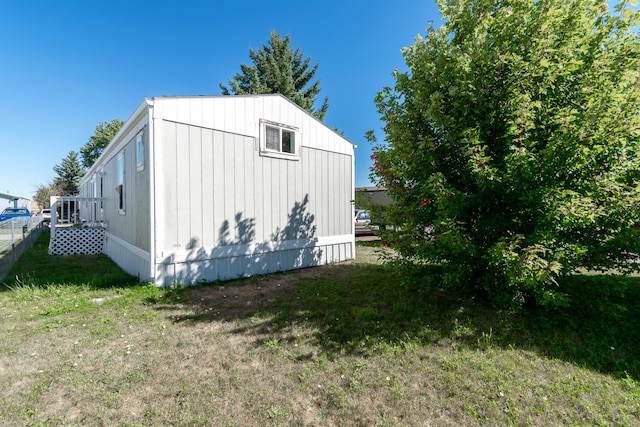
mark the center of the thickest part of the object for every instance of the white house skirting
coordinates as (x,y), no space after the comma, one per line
(72,241)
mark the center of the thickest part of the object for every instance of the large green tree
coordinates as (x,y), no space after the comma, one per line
(102,136)
(279,68)
(43,193)
(69,172)
(512,145)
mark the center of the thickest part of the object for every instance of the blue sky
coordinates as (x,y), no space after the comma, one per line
(68,65)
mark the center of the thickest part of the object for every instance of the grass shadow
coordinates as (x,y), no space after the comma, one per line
(360,308)
(36,268)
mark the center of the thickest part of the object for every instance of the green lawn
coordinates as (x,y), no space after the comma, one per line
(82,344)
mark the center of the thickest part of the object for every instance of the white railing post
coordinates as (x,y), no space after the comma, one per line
(54,219)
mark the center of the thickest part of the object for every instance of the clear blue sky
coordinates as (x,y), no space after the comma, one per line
(68,65)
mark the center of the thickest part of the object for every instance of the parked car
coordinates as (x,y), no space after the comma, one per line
(21,214)
(46,215)
(362,220)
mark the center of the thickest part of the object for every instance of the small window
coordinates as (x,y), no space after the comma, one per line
(279,140)
(139,152)
(120,187)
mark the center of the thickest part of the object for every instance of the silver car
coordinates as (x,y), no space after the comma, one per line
(362,221)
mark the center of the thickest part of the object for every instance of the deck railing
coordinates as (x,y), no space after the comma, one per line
(76,210)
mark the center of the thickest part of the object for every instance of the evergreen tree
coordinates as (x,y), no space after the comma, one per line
(102,136)
(278,68)
(69,172)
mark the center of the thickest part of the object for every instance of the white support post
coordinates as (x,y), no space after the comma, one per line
(54,219)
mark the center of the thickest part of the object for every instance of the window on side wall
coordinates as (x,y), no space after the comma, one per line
(279,140)
(120,187)
(139,152)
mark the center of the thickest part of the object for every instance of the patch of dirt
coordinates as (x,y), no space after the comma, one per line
(234,300)
(238,299)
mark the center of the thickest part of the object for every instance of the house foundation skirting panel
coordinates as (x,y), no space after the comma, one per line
(188,272)
(72,241)
(129,258)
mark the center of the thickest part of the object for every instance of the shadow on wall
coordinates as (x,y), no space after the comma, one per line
(238,255)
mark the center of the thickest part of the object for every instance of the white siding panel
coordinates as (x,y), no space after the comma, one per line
(218,184)
(239,178)
(218,115)
(183,187)
(218,173)
(243,261)
(282,191)
(308,158)
(170,186)
(195,173)
(131,259)
(260,185)
(208,227)
(183,110)
(333,193)
(243,114)
(229,119)
(267,200)
(306,173)
(229,187)
(325,193)
(248,164)
(171,109)
(207,114)
(238,114)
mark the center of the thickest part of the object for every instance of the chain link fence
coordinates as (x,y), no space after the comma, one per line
(16,236)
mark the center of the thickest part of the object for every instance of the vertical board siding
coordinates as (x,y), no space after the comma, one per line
(228,185)
(218,185)
(222,209)
(182,201)
(132,226)
(141,203)
(241,114)
(233,267)
(219,190)
(208,227)
(196,174)
(225,210)
(170,184)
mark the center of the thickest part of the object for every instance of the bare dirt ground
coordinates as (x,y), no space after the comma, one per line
(261,291)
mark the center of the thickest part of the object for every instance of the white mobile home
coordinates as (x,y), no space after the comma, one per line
(196,189)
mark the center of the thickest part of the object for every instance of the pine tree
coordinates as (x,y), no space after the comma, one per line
(69,172)
(278,68)
(102,136)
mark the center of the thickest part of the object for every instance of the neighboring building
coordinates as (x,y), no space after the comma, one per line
(375,195)
(198,189)
(11,201)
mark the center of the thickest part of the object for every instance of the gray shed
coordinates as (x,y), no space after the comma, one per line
(198,189)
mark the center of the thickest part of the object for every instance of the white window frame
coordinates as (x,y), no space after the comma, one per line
(120,188)
(139,152)
(278,152)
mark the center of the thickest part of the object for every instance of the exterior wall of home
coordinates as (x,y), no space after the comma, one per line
(131,224)
(131,259)
(224,210)
(228,212)
(213,206)
(241,115)
(128,231)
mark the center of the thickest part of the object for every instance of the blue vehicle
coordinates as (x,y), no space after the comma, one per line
(21,214)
